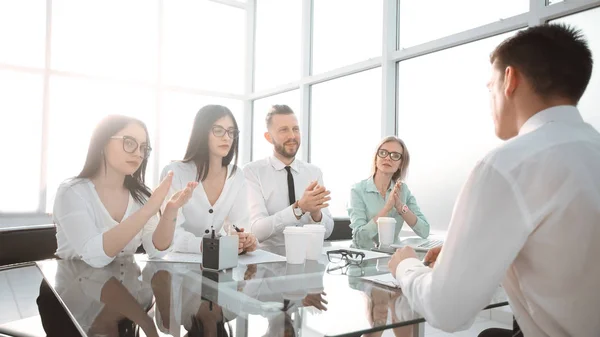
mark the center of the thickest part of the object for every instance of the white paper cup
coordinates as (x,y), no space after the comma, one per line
(386,228)
(296,240)
(314,249)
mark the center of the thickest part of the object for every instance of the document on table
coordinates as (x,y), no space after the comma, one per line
(259,256)
(177,258)
(369,255)
(385,279)
(255,257)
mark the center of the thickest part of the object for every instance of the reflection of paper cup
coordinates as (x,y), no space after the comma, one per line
(296,240)
(386,228)
(314,272)
(294,269)
(314,249)
(294,288)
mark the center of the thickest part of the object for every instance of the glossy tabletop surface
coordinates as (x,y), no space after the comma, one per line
(133,297)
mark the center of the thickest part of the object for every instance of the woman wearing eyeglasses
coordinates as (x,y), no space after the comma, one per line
(220,200)
(107,210)
(385,195)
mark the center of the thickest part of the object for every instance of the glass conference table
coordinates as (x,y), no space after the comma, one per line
(131,297)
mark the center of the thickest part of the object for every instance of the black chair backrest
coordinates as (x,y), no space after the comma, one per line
(24,245)
(341,230)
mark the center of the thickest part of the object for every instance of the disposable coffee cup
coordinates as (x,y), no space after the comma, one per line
(296,240)
(386,228)
(314,249)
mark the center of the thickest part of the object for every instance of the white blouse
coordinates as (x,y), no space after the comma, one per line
(198,215)
(81,220)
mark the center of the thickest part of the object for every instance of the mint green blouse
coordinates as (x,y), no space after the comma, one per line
(365,204)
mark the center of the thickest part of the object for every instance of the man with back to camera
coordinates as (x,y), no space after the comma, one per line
(283,190)
(529,214)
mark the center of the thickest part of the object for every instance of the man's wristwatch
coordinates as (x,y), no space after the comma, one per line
(298,212)
(404,209)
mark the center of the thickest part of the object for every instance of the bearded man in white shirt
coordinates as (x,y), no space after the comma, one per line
(529,214)
(283,190)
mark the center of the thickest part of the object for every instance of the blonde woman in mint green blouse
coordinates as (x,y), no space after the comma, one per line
(385,195)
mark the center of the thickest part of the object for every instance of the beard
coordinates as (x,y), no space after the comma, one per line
(280,148)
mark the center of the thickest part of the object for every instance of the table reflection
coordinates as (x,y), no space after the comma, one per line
(181,302)
(287,290)
(110,301)
(181,299)
(383,306)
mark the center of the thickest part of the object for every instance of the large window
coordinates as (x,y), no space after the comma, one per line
(28,18)
(159,70)
(445,120)
(278,31)
(204,45)
(338,40)
(345,128)
(84,42)
(261,148)
(426,20)
(177,56)
(589,23)
(20,137)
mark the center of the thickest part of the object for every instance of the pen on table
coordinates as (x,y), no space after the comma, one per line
(239,231)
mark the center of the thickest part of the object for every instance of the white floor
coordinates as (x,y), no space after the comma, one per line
(19,289)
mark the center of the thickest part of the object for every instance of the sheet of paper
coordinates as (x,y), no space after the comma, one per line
(384,279)
(259,256)
(255,257)
(369,255)
(179,258)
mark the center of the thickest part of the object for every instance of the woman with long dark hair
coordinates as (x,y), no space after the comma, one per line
(220,201)
(107,210)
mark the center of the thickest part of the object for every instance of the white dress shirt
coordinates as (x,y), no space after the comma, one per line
(529,216)
(270,209)
(81,220)
(198,215)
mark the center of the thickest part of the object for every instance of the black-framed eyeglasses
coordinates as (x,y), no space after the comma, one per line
(395,156)
(220,131)
(130,145)
(348,256)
